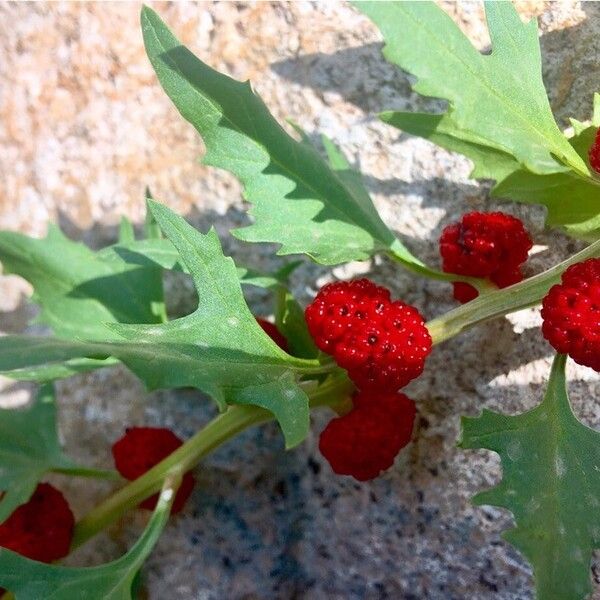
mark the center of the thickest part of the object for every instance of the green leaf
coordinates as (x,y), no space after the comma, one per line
(499,98)
(160,253)
(32,580)
(352,179)
(144,253)
(551,483)
(289,318)
(489,163)
(80,293)
(286,400)
(47,373)
(299,202)
(222,331)
(126,232)
(219,348)
(354,184)
(513,147)
(26,351)
(573,202)
(29,449)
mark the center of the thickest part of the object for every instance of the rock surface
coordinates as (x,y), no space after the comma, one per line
(85,127)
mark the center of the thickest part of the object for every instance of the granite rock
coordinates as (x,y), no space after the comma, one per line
(85,127)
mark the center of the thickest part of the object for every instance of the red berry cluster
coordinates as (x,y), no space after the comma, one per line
(594,153)
(42,528)
(571,313)
(140,449)
(383,345)
(492,245)
(365,442)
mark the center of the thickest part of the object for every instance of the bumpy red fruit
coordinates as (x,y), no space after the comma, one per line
(271,330)
(571,313)
(492,245)
(365,442)
(382,344)
(594,153)
(42,528)
(140,449)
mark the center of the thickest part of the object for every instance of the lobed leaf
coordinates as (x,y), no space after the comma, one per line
(219,348)
(79,292)
(499,115)
(299,202)
(498,97)
(572,202)
(354,184)
(551,483)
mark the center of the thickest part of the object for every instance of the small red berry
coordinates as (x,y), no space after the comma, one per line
(382,344)
(42,528)
(365,442)
(463,292)
(571,313)
(140,449)
(594,153)
(271,330)
(492,245)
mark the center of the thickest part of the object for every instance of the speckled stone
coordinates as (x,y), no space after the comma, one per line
(84,128)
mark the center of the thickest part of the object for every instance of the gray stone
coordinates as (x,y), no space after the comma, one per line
(84,128)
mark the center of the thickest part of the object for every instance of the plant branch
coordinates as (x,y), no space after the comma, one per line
(222,428)
(333,392)
(502,302)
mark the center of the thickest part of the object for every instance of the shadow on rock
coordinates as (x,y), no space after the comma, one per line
(379,85)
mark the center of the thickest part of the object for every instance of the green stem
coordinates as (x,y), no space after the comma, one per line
(91,473)
(236,419)
(323,366)
(216,432)
(398,253)
(502,302)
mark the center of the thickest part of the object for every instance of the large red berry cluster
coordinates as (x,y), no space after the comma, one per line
(42,528)
(492,245)
(382,344)
(365,442)
(140,449)
(571,313)
(594,153)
